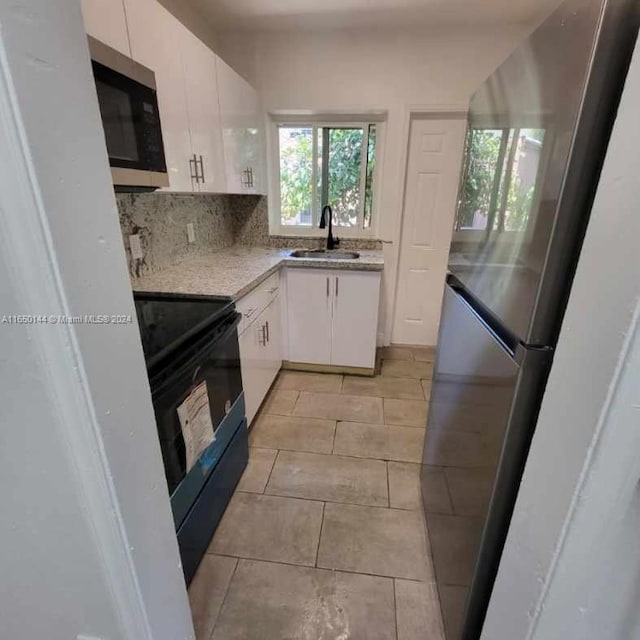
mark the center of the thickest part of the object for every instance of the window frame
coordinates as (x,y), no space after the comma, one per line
(315,122)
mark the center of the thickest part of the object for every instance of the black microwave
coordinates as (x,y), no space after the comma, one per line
(130,119)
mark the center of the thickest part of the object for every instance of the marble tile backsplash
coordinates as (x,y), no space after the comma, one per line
(161,220)
(220,221)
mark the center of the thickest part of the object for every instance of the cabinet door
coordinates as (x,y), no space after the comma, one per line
(252,358)
(355,318)
(155,38)
(309,303)
(105,20)
(242,132)
(273,324)
(200,77)
(249,372)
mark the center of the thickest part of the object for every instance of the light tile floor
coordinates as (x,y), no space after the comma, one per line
(324,538)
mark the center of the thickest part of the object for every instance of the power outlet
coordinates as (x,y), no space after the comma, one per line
(135,246)
(191,233)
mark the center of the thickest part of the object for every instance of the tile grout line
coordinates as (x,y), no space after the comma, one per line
(347,504)
(226,593)
(346,455)
(395,606)
(386,463)
(337,455)
(335,435)
(266,484)
(293,409)
(324,504)
(308,566)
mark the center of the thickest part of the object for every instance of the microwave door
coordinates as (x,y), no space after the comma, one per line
(118,122)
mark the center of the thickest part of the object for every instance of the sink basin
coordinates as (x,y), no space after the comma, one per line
(326,255)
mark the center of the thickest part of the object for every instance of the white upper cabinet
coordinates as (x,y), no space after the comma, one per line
(155,39)
(212,121)
(242,131)
(201,86)
(105,20)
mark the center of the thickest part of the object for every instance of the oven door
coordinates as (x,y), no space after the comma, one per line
(213,360)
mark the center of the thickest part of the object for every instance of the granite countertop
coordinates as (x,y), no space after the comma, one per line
(232,273)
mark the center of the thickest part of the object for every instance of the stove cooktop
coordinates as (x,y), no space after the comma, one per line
(167,321)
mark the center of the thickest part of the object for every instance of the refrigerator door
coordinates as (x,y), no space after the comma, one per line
(474,437)
(538,128)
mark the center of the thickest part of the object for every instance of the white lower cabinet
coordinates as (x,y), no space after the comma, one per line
(332,316)
(260,343)
(309,311)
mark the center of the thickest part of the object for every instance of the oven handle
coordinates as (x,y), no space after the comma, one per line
(224,332)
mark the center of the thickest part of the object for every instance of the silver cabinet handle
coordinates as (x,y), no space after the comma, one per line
(262,342)
(247,181)
(193,168)
(337,286)
(267,326)
(327,286)
(249,313)
(201,170)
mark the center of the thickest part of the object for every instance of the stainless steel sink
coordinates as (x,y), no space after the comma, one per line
(325,255)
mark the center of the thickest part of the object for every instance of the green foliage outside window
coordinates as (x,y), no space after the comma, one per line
(485,166)
(482,151)
(296,171)
(340,173)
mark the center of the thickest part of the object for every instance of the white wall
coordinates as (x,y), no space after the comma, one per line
(391,70)
(87,539)
(571,564)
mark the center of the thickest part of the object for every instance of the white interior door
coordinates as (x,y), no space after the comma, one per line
(433,174)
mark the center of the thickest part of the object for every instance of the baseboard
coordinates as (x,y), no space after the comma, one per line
(328,368)
(414,346)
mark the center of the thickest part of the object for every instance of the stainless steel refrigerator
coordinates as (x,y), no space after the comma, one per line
(538,131)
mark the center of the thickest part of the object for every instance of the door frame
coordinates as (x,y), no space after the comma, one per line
(92,414)
(451,111)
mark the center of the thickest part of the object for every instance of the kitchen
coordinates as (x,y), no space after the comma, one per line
(311,369)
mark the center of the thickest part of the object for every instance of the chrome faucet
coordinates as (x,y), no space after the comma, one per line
(332,242)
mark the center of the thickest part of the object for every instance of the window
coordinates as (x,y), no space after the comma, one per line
(499,179)
(324,164)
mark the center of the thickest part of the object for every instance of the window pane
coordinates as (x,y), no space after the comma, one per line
(371,165)
(343,173)
(321,197)
(524,173)
(296,175)
(482,178)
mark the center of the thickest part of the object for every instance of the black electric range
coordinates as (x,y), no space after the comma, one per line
(193,363)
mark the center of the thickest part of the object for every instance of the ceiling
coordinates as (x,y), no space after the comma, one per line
(288,15)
